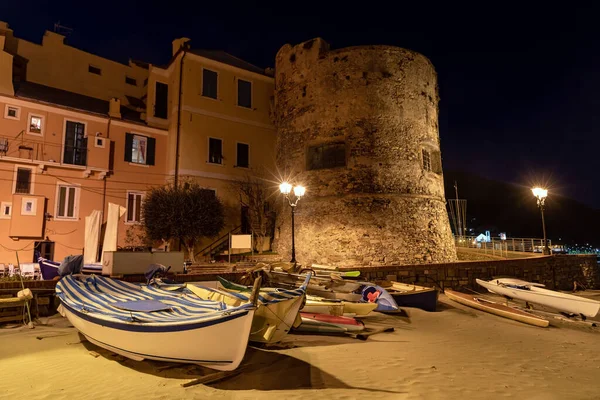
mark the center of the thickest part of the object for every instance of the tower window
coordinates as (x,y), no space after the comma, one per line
(330,155)
(426,160)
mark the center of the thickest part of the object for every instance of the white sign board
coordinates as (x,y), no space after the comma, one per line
(241,241)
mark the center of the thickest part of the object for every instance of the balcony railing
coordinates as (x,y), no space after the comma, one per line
(86,154)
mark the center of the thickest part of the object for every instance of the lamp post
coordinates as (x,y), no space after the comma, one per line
(541,194)
(299,191)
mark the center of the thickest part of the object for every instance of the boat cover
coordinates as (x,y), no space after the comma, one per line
(97,297)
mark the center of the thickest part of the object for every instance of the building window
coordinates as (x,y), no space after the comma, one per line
(35,124)
(209,83)
(99,142)
(94,70)
(243,155)
(145,82)
(426,160)
(130,81)
(67,201)
(12,112)
(244,93)
(23,180)
(134,207)
(215,151)
(161,100)
(139,149)
(330,155)
(75,152)
(5,210)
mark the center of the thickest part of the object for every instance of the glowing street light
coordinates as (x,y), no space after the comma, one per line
(541,194)
(286,189)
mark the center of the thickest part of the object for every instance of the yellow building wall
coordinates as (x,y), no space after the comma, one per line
(64,67)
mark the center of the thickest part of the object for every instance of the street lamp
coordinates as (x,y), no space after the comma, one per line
(299,191)
(541,194)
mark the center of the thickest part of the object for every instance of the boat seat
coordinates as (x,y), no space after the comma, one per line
(142,305)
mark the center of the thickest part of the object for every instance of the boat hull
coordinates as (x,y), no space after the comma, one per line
(495,308)
(537,295)
(324,323)
(414,296)
(220,345)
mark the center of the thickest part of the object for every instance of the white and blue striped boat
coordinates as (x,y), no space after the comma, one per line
(144,322)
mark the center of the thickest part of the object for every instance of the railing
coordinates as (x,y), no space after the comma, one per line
(208,250)
(497,246)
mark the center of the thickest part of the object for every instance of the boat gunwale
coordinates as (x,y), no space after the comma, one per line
(157,327)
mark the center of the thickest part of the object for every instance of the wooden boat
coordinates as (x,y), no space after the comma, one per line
(277,310)
(338,289)
(410,295)
(315,304)
(145,322)
(534,294)
(325,323)
(496,308)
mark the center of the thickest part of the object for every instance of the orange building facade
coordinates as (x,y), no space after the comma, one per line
(78,132)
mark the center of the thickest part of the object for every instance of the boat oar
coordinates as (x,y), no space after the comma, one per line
(30,324)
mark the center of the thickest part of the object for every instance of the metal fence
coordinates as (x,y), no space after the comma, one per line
(500,246)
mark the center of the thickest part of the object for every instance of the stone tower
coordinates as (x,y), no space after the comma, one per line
(358,127)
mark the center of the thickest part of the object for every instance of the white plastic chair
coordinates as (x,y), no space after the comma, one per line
(11,269)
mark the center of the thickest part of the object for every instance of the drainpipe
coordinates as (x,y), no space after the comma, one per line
(104,187)
(176,180)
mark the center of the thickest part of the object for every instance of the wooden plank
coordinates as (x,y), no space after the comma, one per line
(211,378)
(12,318)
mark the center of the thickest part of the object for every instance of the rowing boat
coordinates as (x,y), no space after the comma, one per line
(316,304)
(534,294)
(145,322)
(496,308)
(324,323)
(338,289)
(410,295)
(277,310)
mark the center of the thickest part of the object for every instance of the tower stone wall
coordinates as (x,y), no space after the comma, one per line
(358,127)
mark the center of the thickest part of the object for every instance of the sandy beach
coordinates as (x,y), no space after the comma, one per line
(456,352)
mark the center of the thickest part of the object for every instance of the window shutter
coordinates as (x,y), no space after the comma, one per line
(150,151)
(128,146)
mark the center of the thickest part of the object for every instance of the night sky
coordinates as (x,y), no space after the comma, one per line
(518,83)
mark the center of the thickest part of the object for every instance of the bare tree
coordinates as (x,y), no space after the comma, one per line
(187,213)
(254,194)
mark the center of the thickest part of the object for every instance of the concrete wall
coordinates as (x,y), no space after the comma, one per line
(383,207)
(556,272)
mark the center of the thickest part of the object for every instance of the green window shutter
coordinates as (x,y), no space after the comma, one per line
(128,146)
(150,151)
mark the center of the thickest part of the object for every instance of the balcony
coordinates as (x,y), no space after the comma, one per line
(89,156)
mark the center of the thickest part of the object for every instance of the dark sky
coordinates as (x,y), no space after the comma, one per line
(518,83)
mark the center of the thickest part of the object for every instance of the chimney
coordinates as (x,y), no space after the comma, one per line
(52,38)
(177,43)
(114,108)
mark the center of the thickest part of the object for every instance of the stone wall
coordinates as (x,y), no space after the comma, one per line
(385,204)
(556,272)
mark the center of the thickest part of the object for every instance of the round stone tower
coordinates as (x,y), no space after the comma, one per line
(358,127)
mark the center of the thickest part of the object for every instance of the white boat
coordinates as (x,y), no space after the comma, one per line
(534,294)
(145,322)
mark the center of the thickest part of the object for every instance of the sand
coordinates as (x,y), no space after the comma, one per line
(455,353)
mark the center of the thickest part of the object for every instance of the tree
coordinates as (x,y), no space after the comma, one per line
(254,194)
(188,213)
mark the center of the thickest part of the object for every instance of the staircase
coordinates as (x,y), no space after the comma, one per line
(217,247)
